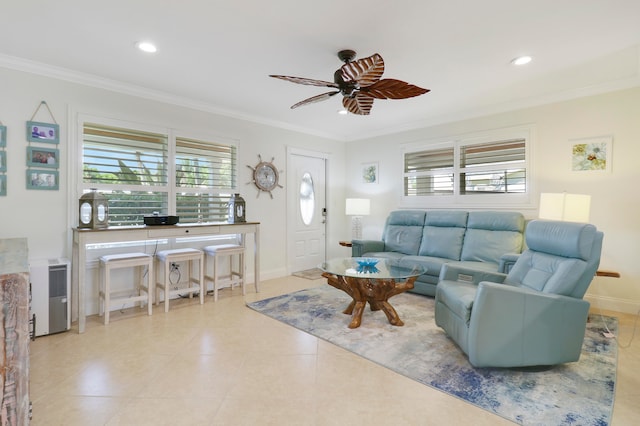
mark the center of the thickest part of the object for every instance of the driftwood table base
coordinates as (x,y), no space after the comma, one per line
(376,291)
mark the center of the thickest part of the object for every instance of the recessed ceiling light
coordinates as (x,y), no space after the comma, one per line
(343,112)
(521,60)
(147,46)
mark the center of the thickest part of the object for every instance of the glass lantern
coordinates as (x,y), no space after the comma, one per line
(237,211)
(93,211)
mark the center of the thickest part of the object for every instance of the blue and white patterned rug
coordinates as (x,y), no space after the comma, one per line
(579,393)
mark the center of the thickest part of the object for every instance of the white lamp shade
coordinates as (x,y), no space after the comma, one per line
(565,207)
(357,206)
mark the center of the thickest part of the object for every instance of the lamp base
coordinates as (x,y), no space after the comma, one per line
(356,227)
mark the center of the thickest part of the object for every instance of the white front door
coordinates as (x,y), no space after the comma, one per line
(306,210)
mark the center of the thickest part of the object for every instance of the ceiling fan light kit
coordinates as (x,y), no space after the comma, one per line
(359,82)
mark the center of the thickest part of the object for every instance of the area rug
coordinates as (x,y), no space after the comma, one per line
(310,274)
(579,393)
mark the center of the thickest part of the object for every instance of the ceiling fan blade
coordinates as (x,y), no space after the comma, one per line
(359,104)
(364,71)
(390,88)
(307,81)
(316,98)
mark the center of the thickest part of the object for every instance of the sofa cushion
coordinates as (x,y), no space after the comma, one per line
(433,264)
(403,231)
(458,297)
(546,273)
(562,239)
(443,234)
(489,235)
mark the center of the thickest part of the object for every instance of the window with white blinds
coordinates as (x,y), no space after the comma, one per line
(476,166)
(205,175)
(132,168)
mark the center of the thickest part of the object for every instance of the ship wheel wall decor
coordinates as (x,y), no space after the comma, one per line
(266,176)
(359,82)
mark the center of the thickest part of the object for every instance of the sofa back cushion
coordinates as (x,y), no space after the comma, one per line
(490,234)
(443,234)
(403,231)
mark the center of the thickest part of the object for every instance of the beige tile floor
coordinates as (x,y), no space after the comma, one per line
(224,364)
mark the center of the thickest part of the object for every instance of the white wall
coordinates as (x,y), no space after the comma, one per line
(615,202)
(45,217)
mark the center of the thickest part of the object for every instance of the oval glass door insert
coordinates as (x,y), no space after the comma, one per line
(307,199)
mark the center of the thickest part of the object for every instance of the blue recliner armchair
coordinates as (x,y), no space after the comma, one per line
(533,316)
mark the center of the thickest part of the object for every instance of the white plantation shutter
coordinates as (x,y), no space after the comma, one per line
(473,166)
(132,168)
(205,178)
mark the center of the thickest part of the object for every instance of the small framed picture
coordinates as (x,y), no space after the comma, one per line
(3,185)
(42,132)
(3,161)
(3,136)
(370,173)
(42,157)
(592,154)
(42,179)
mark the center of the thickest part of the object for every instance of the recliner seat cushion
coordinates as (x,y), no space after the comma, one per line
(458,297)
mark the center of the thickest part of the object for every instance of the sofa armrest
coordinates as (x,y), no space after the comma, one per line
(451,272)
(360,247)
(507,261)
(512,326)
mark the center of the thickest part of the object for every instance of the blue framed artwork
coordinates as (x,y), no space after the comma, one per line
(3,185)
(43,132)
(3,161)
(42,179)
(42,157)
(3,136)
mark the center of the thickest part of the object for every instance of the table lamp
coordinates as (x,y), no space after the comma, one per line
(565,207)
(356,208)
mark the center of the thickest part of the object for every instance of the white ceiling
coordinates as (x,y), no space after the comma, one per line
(217,55)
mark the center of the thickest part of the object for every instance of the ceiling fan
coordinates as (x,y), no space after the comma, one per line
(359,83)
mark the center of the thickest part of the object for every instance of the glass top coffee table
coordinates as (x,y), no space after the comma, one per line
(372,280)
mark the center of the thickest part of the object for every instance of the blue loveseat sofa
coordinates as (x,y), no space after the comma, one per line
(433,238)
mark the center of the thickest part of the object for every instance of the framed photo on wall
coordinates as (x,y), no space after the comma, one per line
(3,161)
(42,179)
(43,132)
(3,185)
(591,154)
(369,173)
(3,136)
(42,157)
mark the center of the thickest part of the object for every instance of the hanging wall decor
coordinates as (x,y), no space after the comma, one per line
(42,157)
(591,154)
(3,135)
(42,179)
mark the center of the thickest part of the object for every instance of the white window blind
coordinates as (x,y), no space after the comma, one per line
(469,168)
(132,168)
(129,167)
(496,167)
(205,176)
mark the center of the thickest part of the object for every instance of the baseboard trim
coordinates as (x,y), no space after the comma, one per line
(614,304)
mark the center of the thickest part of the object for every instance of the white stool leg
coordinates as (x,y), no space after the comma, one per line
(241,272)
(201,279)
(167,283)
(150,281)
(216,270)
(107,291)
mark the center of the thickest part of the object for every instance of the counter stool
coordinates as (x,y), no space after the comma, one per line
(143,287)
(214,255)
(164,259)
